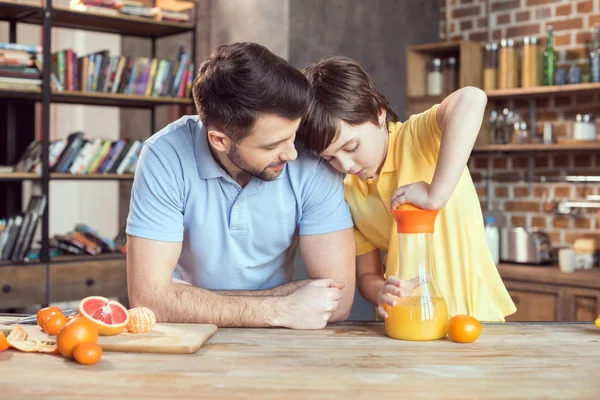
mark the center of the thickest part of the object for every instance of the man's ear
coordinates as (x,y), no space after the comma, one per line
(219,141)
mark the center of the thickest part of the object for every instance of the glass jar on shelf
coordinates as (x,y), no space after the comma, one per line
(435,79)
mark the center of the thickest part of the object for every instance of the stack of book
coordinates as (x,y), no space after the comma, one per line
(83,240)
(129,7)
(17,231)
(79,156)
(17,67)
(142,76)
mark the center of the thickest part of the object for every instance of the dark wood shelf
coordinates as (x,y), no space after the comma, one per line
(97,99)
(517,148)
(64,17)
(543,91)
(550,274)
(86,258)
(30,176)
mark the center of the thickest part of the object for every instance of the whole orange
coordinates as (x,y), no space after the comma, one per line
(54,322)
(43,313)
(75,332)
(464,329)
(87,353)
(3,342)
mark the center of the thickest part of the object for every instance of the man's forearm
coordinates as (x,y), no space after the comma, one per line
(186,303)
(282,290)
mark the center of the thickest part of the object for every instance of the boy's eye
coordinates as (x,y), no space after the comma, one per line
(353,148)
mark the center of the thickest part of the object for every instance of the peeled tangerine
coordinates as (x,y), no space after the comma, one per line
(110,317)
(141,320)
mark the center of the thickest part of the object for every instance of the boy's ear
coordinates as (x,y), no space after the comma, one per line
(218,140)
(382,116)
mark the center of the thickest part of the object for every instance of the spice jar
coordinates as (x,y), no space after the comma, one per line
(435,78)
(507,66)
(584,127)
(490,69)
(450,75)
(530,63)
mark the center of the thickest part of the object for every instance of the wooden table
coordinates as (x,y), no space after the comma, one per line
(346,361)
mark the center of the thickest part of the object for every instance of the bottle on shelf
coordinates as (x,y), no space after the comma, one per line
(508,65)
(435,79)
(530,69)
(490,71)
(549,59)
(492,236)
(450,76)
(595,55)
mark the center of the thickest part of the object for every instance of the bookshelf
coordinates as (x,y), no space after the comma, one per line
(69,277)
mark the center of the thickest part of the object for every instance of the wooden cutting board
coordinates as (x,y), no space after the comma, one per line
(164,338)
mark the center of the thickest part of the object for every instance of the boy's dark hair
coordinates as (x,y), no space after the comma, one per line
(342,90)
(240,81)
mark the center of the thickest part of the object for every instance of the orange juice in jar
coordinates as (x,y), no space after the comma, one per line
(420,312)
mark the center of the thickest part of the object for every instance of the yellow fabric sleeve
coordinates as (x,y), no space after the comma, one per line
(363,246)
(426,134)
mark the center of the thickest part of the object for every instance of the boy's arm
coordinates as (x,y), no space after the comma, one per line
(459,116)
(369,275)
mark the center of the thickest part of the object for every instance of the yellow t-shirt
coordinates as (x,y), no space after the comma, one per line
(463,265)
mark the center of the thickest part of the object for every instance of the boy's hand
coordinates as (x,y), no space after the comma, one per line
(394,287)
(417,194)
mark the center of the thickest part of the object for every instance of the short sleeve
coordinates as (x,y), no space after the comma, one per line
(324,208)
(156,205)
(363,246)
(426,134)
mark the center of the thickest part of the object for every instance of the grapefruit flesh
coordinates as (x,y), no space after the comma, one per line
(110,317)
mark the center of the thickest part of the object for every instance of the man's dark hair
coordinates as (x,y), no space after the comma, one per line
(240,81)
(342,91)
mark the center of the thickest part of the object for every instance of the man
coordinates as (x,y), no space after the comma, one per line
(222,200)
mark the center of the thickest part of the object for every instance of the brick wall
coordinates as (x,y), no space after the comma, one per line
(573,20)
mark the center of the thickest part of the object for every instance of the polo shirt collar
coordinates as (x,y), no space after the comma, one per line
(207,166)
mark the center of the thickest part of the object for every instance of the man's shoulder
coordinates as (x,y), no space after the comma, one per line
(308,166)
(178,134)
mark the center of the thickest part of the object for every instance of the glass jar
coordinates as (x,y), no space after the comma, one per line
(435,80)
(490,69)
(584,127)
(530,65)
(450,76)
(420,312)
(508,69)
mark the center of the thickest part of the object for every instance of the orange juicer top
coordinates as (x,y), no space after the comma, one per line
(411,219)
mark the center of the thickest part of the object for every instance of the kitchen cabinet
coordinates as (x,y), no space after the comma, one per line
(22,285)
(546,294)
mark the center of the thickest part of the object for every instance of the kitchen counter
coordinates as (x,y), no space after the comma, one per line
(343,361)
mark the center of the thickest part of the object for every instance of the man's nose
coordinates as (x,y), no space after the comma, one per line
(289,154)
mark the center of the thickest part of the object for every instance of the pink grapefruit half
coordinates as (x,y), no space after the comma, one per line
(110,317)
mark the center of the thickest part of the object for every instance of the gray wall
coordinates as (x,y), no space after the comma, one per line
(373,32)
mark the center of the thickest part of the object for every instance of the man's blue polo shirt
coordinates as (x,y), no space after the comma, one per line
(233,238)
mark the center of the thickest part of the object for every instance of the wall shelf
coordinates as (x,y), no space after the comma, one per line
(64,17)
(97,98)
(523,148)
(32,176)
(543,91)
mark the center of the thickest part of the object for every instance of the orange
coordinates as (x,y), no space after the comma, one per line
(464,329)
(76,332)
(87,353)
(110,317)
(43,313)
(54,322)
(141,320)
(3,342)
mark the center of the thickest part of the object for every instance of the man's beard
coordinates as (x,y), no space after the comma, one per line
(236,158)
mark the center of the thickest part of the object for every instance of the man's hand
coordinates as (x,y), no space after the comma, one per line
(311,306)
(417,194)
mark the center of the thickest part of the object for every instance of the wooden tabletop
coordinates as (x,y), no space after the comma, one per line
(347,361)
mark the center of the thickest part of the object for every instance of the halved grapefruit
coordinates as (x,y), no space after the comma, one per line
(110,317)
